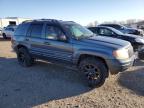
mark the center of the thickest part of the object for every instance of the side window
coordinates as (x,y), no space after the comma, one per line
(93,30)
(22,29)
(106,32)
(54,33)
(36,30)
(96,31)
(51,33)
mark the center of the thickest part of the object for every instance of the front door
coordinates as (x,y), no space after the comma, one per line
(107,32)
(56,44)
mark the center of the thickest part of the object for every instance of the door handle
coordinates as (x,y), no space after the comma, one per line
(47,43)
(27,39)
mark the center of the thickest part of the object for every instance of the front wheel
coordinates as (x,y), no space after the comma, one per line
(95,71)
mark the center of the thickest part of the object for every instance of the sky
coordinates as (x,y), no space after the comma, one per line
(81,11)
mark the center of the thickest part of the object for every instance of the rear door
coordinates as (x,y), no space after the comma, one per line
(57,45)
(35,38)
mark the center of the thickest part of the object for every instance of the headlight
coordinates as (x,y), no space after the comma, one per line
(139,40)
(121,54)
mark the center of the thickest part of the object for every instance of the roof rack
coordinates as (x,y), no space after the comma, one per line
(45,20)
(40,20)
(27,21)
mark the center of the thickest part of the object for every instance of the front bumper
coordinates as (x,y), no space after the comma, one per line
(116,66)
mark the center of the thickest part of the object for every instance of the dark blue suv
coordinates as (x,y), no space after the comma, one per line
(69,43)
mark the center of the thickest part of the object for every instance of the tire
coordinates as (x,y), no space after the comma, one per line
(4,36)
(24,58)
(94,70)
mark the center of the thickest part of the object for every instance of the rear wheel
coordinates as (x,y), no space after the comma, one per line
(95,71)
(4,36)
(24,58)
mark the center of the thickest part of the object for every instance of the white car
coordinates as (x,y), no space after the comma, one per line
(0,31)
(8,32)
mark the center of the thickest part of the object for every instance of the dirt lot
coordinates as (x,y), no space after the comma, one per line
(47,85)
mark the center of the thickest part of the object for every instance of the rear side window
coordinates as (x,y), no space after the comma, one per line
(92,29)
(36,30)
(22,29)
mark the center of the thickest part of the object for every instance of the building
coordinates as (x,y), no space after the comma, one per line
(11,21)
(137,24)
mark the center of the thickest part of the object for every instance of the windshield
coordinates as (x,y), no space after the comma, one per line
(78,31)
(116,31)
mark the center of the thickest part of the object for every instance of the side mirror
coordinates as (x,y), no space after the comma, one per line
(62,38)
(122,28)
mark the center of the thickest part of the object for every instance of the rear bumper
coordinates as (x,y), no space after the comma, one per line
(116,66)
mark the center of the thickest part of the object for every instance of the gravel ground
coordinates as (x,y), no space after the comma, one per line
(47,85)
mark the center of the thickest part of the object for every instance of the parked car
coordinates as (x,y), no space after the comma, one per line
(125,29)
(69,43)
(0,31)
(136,41)
(8,31)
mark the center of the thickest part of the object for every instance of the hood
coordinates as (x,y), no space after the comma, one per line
(106,41)
(133,38)
(132,30)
